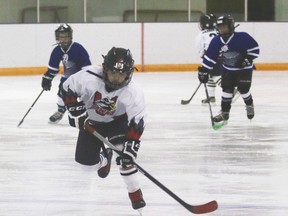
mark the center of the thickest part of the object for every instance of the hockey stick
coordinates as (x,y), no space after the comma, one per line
(196,209)
(30,108)
(184,102)
(210,109)
(236,95)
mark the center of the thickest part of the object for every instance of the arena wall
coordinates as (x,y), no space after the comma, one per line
(25,48)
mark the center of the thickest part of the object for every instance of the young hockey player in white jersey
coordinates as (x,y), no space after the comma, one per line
(208,31)
(238,50)
(73,56)
(112,103)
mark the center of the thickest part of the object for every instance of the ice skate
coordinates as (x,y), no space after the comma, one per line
(103,172)
(220,120)
(57,116)
(211,99)
(137,200)
(250,111)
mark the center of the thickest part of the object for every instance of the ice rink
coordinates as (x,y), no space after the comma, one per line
(244,166)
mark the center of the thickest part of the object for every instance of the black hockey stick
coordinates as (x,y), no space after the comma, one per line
(196,209)
(30,108)
(184,102)
(208,100)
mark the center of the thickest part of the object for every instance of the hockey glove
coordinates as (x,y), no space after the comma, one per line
(242,63)
(76,109)
(203,74)
(132,146)
(47,81)
(130,151)
(77,114)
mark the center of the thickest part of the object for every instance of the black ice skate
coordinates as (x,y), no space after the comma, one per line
(220,120)
(211,99)
(57,116)
(137,200)
(103,172)
(250,111)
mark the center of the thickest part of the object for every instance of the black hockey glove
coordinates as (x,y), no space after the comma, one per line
(132,146)
(243,62)
(76,109)
(47,81)
(130,151)
(203,74)
(77,114)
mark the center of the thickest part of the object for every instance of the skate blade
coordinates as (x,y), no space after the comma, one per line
(53,123)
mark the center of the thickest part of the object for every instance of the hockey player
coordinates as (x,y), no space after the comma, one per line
(114,105)
(208,31)
(73,56)
(238,50)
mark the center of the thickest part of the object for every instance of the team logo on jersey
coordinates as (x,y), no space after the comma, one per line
(104,106)
(67,64)
(65,58)
(224,49)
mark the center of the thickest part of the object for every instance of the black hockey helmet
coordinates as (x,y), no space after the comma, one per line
(66,30)
(118,60)
(207,21)
(229,22)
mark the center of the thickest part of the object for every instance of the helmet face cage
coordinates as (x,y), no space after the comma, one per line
(118,60)
(229,22)
(64,29)
(207,21)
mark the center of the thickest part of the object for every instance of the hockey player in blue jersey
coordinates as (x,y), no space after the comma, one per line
(238,50)
(73,56)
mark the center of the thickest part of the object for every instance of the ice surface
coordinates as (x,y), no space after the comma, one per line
(244,166)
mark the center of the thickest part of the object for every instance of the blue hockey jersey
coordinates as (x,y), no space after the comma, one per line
(239,45)
(74,59)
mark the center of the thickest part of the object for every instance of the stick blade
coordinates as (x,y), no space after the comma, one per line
(205,208)
(20,123)
(184,102)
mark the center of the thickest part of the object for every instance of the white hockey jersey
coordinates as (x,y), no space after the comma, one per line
(103,106)
(203,40)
